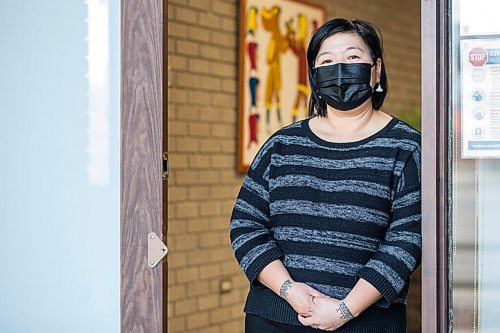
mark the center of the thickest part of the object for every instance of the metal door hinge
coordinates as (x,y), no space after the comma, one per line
(157,250)
(165,166)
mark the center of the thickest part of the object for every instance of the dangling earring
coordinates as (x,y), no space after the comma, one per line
(379,88)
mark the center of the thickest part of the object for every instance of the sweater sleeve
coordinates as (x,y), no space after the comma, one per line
(251,237)
(390,268)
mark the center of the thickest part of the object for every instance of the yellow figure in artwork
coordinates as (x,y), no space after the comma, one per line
(278,44)
(252,19)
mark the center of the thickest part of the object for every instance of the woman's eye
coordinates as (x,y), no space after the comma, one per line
(326,61)
(352,57)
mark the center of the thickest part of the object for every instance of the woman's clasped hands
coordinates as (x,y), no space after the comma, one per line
(313,308)
(325,316)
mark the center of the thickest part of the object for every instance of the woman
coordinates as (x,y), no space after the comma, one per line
(327,223)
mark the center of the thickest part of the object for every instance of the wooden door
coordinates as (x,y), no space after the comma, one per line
(143,142)
(435,89)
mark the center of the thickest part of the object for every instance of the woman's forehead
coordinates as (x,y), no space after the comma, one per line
(343,41)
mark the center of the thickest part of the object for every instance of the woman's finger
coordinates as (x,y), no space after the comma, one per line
(306,321)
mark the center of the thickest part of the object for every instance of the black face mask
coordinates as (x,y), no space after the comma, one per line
(344,86)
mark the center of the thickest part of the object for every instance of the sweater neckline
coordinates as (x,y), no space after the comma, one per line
(310,134)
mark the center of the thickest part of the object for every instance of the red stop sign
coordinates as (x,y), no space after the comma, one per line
(478,56)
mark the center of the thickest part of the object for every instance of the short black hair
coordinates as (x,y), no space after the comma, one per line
(370,35)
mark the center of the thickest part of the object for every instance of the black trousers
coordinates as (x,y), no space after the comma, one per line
(256,324)
(372,320)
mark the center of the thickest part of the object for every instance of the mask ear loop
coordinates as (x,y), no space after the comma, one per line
(379,88)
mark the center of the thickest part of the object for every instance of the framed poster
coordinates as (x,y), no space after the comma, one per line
(480,60)
(273,84)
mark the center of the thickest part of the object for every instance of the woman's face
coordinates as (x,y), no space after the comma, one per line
(346,47)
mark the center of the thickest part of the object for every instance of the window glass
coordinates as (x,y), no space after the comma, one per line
(475,166)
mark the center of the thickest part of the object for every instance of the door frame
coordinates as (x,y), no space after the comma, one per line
(143,193)
(144,139)
(435,93)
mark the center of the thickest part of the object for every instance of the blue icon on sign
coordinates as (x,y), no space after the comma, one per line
(478,95)
(478,113)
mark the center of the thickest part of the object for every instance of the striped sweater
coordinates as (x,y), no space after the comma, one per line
(333,213)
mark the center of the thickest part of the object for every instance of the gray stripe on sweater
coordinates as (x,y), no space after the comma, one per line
(376,163)
(398,172)
(294,125)
(400,254)
(263,151)
(405,220)
(254,253)
(392,143)
(388,273)
(244,238)
(406,200)
(341,239)
(398,168)
(265,175)
(417,158)
(404,236)
(316,183)
(332,291)
(256,188)
(348,212)
(404,144)
(242,223)
(245,207)
(406,128)
(322,264)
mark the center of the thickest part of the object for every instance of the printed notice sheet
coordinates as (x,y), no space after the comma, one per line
(480,60)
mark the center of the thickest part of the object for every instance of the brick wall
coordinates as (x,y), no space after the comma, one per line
(202,95)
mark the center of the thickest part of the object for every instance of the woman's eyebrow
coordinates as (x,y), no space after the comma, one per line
(347,49)
(323,53)
(354,48)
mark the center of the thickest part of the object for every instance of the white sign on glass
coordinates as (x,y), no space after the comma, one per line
(480,98)
(479,17)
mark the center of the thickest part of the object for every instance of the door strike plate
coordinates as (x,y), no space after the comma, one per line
(164,174)
(157,250)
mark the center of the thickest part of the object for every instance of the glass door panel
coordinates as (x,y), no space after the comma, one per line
(60,166)
(475,166)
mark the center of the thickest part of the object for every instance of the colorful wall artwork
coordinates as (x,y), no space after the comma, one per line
(273,84)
